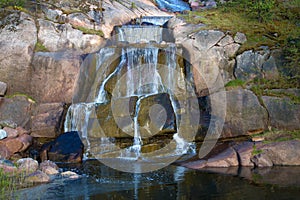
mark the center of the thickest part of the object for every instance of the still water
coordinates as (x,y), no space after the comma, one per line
(173,182)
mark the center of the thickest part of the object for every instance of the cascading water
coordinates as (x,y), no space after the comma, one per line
(156,75)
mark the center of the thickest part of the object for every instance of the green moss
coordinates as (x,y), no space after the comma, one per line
(264,87)
(22,95)
(279,135)
(40,47)
(256,151)
(235,83)
(89,31)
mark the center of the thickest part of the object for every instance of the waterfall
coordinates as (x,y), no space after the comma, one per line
(138,33)
(136,72)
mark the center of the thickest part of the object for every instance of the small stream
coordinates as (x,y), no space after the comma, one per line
(173,182)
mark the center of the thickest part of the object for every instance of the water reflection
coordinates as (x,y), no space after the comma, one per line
(172,182)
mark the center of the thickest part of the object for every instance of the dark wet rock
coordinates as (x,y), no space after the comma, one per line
(37,177)
(244,151)
(3,88)
(17,109)
(55,75)
(65,148)
(47,120)
(284,113)
(117,124)
(156,115)
(244,114)
(27,165)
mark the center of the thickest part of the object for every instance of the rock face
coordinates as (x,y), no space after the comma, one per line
(18,38)
(60,37)
(251,154)
(16,109)
(244,152)
(54,76)
(65,148)
(244,114)
(278,153)
(284,113)
(47,120)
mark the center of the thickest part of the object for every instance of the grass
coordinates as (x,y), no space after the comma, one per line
(274,32)
(279,135)
(264,87)
(40,47)
(235,83)
(89,31)
(7,185)
(256,151)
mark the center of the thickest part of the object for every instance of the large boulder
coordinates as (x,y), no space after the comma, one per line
(47,120)
(244,114)
(283,112)
(17,38)
(278,153)
(17,109)
(244,151)
(257,64)
(65,148)
(54,76)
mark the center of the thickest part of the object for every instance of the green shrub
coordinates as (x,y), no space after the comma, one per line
(6,3)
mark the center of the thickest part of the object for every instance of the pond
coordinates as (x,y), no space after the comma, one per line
(98,181)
